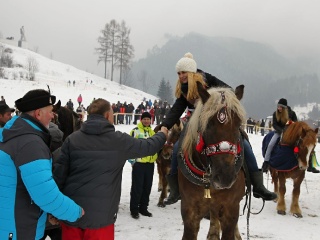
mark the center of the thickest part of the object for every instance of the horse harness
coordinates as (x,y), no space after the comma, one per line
(202,176)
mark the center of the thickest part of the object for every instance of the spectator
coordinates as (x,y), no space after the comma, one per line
(152,114)
(5,113)
(129,111)
(262,126)
(157,113)
(26,175)
(79,100)
(136,115)
(70,105)
(122,111)
(90,169)
(142,171)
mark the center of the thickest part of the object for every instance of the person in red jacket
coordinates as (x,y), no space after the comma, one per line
(79,100)
(152,114)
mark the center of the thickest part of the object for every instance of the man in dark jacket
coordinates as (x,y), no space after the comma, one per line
(26,181)
(90,170)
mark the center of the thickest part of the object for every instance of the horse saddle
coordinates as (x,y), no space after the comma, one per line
(282,157)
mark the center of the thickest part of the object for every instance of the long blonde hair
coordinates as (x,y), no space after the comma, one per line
(193,78)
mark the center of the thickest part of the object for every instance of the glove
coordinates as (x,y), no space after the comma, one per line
(265,167)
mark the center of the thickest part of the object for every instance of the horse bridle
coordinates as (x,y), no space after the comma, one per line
(222,147)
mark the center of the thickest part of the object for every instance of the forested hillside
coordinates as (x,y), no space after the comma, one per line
(266,74)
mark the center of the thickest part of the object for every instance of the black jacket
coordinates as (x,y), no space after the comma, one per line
(278,126)
(89,169)
(181,103)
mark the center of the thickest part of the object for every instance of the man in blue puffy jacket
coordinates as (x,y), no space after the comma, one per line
(27,190)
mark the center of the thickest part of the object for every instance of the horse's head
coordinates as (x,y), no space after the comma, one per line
(213,138)
(303,139)
(67,120)
(173,136)
(166,151)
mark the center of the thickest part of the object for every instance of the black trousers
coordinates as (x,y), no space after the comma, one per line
(142,177)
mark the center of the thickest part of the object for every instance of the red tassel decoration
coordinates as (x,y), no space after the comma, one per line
(200,143)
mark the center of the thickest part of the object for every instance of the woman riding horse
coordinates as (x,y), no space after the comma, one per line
(187,94)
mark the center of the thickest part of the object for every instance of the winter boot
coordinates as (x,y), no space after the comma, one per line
(174,189)
(259,190)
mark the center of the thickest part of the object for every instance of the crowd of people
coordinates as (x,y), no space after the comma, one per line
(256,126)
(79,184)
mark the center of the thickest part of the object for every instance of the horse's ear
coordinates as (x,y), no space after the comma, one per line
(239,92)
(57,106)
(203,93)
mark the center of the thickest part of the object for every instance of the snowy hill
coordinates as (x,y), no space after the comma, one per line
(56,74)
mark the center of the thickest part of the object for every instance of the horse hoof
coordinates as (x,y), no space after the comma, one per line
(297,215)
(161,205)
(281,212)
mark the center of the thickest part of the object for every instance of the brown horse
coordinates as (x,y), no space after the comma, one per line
(301,140)
(67,120)
(210,175)
(164,161)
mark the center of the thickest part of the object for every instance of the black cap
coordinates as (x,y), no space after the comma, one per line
(145,115)
(35,99)
(283,102)
(5,108)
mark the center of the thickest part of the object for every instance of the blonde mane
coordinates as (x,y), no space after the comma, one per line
(295,131)
(202,114)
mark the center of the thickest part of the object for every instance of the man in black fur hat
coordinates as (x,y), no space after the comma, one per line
(26,174)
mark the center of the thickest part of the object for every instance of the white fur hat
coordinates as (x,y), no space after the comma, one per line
(186,64)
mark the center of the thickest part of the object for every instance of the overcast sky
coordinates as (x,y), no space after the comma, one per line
(68,29)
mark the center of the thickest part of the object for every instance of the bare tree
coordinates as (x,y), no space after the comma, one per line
(32,67)
(124,50)
(108,44)
(104,49)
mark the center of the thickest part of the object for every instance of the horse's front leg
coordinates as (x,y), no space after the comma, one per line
(160,174)
(193,207)
(295,208)
(229,223)
(164,190)
(281,206)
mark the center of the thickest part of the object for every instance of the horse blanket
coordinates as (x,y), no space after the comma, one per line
(282,156)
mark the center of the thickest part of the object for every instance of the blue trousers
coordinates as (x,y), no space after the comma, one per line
(248,156)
